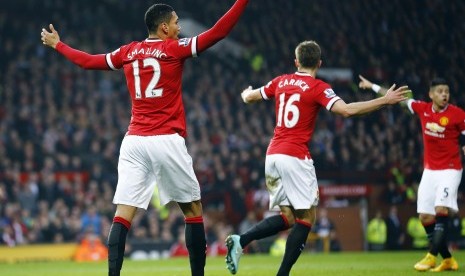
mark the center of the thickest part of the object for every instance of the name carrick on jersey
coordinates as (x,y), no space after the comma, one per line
(441,131)
(298,99)
(153,70)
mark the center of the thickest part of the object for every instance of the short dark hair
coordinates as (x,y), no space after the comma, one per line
(157,14)
(308,54)
(438,81)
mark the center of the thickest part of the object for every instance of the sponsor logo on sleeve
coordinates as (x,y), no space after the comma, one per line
(329,93)
(184,42)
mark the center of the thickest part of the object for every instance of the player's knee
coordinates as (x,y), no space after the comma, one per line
(441,211)
(191,209)
(288,216)
(426,218)
(290,221)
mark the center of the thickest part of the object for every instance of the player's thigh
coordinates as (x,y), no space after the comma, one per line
(426,193)
(173,170)
(136,182)
(447,188)
(274,182)
(296,179)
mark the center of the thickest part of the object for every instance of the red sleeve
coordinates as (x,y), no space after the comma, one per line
(415,106)
(182,48)
(222,27)
(461,121)
(83,59)
(325,95)
(268,91)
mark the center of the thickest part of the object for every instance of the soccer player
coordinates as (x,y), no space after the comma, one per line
(441,123)
(289,171)
(154,150)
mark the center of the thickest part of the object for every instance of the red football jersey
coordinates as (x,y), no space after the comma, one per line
(441,131)
(299,97)
(153,70)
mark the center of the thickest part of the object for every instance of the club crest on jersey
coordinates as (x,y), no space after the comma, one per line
(443,121)
(330,93)
(184,41)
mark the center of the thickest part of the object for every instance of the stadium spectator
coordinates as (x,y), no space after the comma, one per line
(91,249)
(179,248)
(376,232)
(325,231)
(395,232)
(417,233)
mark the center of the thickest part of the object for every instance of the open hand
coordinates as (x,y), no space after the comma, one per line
(398,95)
(51,38)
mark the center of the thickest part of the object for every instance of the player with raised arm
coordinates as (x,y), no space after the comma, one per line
(289,171)
(154,150)
(441,123)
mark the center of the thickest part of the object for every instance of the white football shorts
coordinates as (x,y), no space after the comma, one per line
(291,181)
(162,160)
(438,188)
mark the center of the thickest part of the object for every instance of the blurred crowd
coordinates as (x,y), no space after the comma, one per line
(61,126)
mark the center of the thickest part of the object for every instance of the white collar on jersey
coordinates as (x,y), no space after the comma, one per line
(440,111)
(152,39)
(303,74)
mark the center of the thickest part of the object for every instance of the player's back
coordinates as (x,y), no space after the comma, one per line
(299,97)
(153,70)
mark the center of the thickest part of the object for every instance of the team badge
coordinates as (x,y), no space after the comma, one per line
(444,121)
(184,41)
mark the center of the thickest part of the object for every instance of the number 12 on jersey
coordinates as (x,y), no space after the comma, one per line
(150,91)
(288,109)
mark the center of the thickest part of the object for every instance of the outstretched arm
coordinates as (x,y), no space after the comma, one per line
(366,84)
(359,108)
(80,58)
(250,95)
(222,27)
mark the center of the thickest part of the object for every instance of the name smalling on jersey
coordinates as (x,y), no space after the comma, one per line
(148,52)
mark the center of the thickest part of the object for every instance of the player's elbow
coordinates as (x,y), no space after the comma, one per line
(348,113)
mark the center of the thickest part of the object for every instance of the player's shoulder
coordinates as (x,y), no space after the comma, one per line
(321,83)
(421,103)
(455,108)
(178,43)
(129,45)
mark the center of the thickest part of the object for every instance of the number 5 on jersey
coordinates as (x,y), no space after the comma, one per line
(150,91)
(287,110)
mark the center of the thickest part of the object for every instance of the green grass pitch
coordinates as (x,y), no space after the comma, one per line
(334,264)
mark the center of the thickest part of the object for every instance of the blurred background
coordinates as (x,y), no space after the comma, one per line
(61,126)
